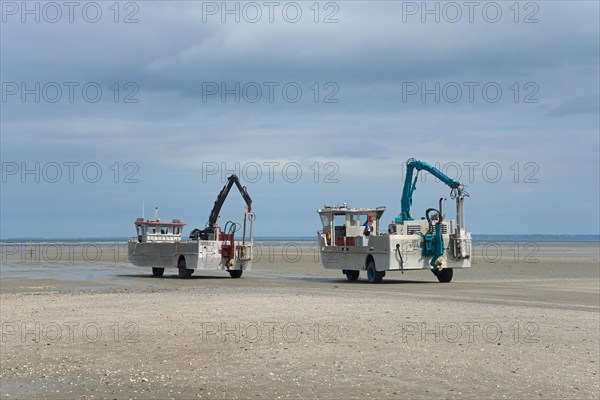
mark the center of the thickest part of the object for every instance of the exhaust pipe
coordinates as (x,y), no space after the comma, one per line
(459,238)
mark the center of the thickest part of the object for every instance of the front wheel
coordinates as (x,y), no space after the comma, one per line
(236,273)
(351,275)
(373,275)
(445,275)
(184,273)
(158,272)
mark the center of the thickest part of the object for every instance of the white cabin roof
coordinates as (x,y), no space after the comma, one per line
(175,222)
(341,210)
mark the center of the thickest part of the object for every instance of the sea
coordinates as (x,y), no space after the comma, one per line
(477,237)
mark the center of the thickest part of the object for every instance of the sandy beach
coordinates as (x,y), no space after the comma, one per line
(80,322)
(404,135)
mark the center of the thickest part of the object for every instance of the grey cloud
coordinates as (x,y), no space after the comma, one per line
(369,133)
(578,105)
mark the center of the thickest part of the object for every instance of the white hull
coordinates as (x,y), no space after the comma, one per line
(198,255)
(383,249)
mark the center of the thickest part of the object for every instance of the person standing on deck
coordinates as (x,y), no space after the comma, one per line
(368,226)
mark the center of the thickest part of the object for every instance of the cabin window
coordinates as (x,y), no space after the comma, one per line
(362,219)
(152,230)
(164,230)
(139,230)
(325,220)
(176,230)
(340,220)
(355,220)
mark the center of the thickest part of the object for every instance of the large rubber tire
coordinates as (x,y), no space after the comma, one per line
(445,275)
(373,275)
(184,273)
(351,275)
(236,273)
(158,272)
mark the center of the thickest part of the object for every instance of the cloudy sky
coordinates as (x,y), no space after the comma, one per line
(105,108)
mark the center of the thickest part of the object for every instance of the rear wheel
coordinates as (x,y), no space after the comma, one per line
(373,275)
(351,275)
(184,273)
(236,273)
(158,271)
(445,275)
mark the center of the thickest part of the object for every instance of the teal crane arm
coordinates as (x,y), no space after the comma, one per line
(410,185)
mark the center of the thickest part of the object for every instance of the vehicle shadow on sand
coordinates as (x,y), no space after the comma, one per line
(385,281)
(172,277)
(357,282)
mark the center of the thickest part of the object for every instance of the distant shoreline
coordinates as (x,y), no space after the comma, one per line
(476,237)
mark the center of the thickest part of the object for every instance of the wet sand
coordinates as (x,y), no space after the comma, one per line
(523,322)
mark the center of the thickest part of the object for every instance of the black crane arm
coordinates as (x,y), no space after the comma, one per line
(214,214)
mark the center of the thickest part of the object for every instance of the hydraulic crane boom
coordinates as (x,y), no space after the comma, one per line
(214,214)
(433,240)
(211,225)
(410,185)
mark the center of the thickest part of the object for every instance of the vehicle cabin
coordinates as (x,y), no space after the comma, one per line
(158,232)
(343,226)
